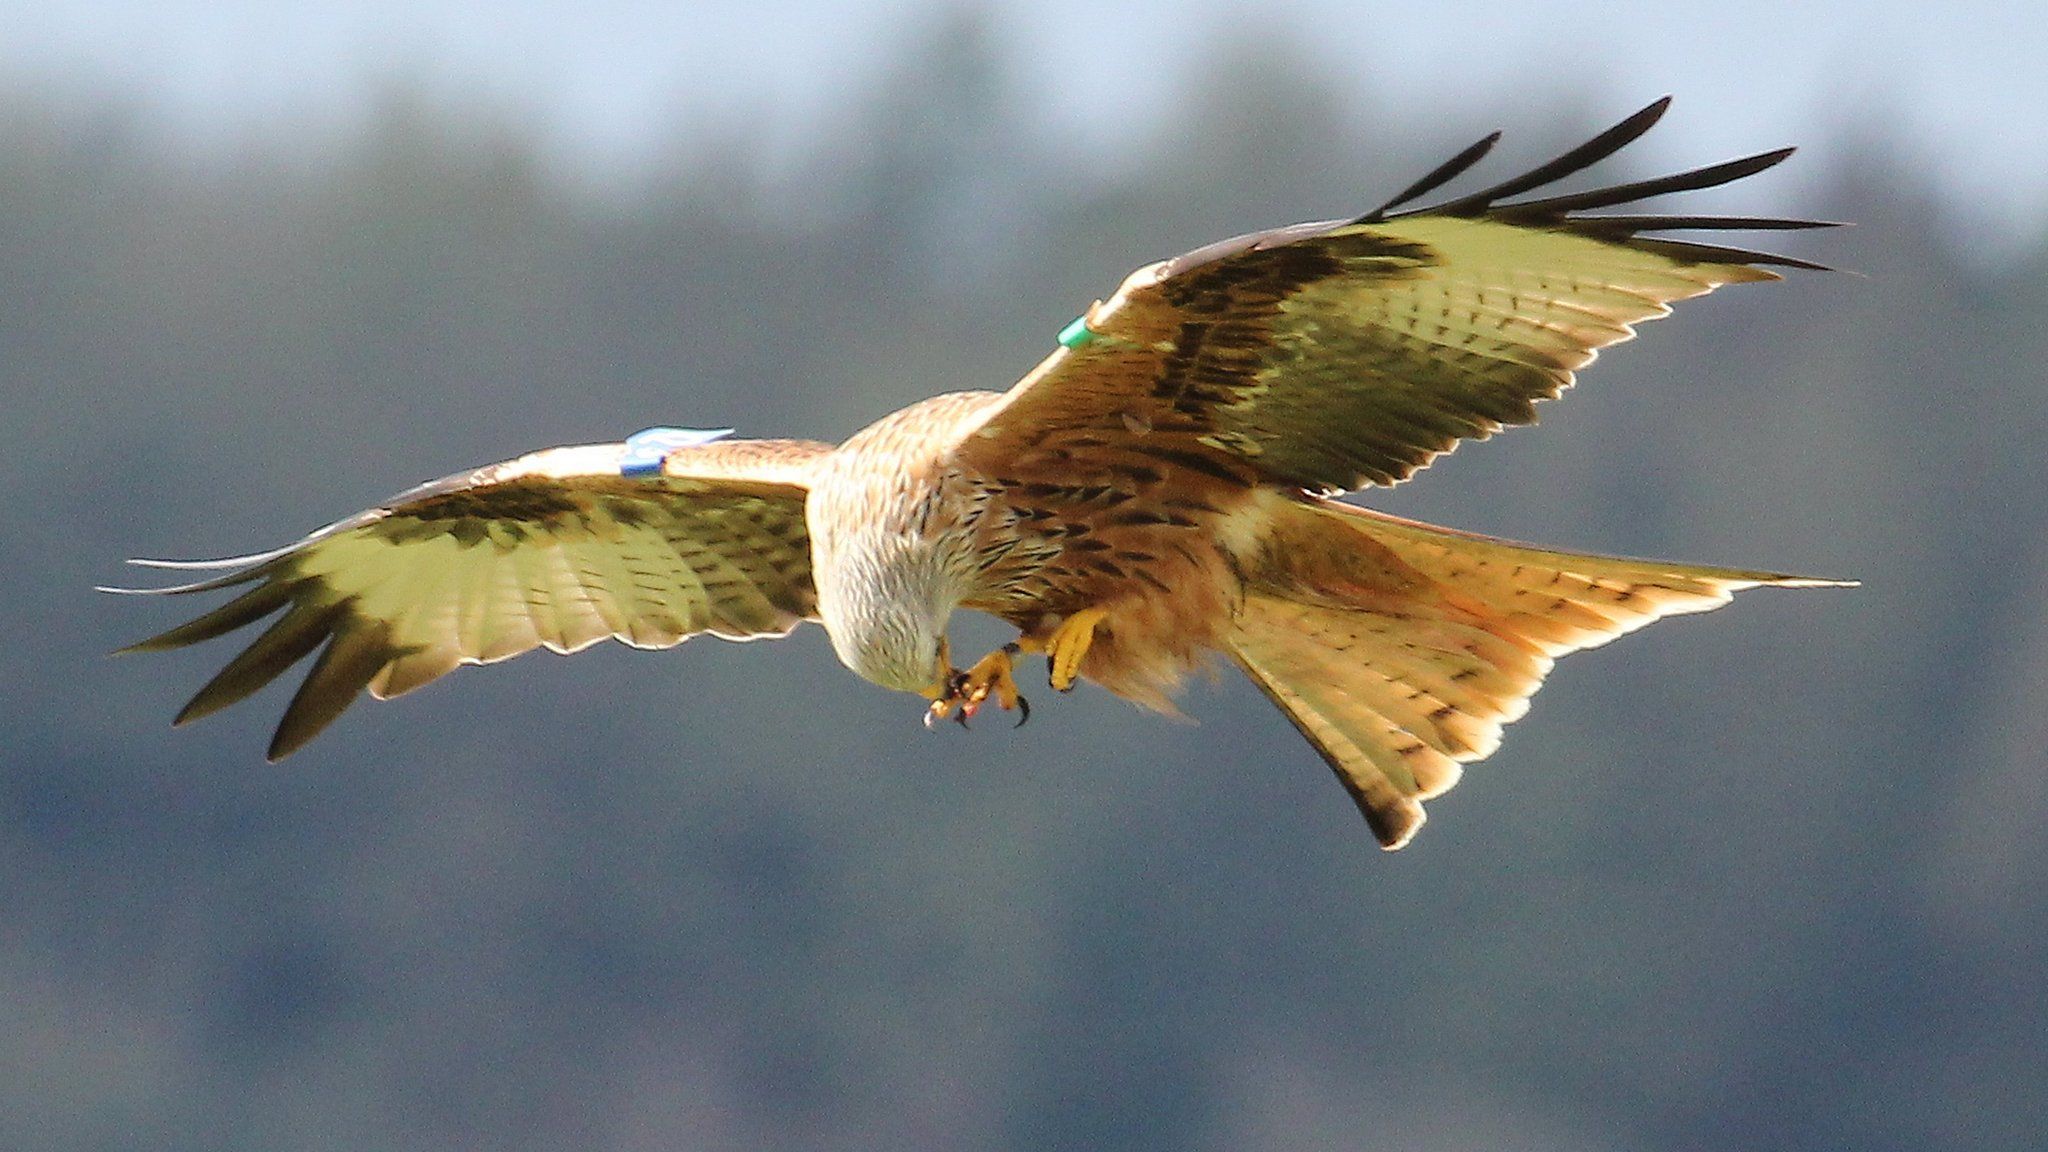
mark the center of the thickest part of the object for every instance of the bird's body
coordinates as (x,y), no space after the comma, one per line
(1157,494)
(1060,529)
(887,571)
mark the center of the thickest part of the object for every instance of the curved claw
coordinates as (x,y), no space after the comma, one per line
(1023,711)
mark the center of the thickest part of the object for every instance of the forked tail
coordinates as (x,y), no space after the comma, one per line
(1400,649)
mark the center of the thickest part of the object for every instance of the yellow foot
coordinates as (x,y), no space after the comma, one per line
(1068,644)
(967,691)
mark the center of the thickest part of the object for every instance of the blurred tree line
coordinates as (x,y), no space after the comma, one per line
(1770,879)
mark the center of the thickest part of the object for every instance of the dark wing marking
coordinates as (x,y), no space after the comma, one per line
(555,549)
(1340,353)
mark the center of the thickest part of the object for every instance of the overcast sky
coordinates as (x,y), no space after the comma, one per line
(1961,86)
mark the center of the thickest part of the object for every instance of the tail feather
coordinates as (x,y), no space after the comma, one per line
(1401,650)
(1382,760)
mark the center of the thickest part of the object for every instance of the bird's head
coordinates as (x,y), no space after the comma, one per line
(890,628)
(906,651)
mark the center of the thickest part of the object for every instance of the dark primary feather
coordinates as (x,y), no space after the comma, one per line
(1439,176)
(343,669)
(1556,208)
(1578,159)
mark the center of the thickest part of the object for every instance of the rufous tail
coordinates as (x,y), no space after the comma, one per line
(1400,649)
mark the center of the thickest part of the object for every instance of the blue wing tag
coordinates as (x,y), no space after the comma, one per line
(647,450)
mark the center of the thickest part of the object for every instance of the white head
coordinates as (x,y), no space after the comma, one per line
(888,622)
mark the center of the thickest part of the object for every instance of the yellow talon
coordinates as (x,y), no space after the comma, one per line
(965,692)
(991,676)
(1069,643)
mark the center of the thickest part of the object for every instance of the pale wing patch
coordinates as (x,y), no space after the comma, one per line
(1503,290)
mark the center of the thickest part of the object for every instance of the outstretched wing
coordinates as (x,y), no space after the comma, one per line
(1341,353)
(645,542)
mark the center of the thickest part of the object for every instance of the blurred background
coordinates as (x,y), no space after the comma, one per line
(1772,878)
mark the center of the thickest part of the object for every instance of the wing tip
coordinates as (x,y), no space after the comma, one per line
(282,745)
(1561,211)
(1783,581)
(209,565)
(231,571)
(1436,178)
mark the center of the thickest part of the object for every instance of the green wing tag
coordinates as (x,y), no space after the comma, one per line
(1076,334)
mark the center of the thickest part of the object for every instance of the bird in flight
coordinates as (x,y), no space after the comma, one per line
(1157,493)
